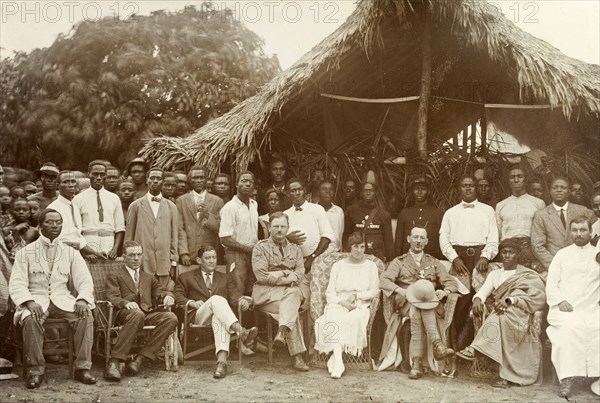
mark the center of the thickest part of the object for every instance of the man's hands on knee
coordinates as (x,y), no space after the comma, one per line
(81,308)
(169,300)
(459,267)
(482,265)
(36,309)
(132,305)
(477,307)
(564,306)
(196,304)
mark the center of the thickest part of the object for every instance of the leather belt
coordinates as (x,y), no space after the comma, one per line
(99,233)
(468,250)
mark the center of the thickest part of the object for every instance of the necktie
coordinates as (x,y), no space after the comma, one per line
(136,279)
(208,282)
(100,209)
(281,250)
(562,218)
(468,205)
(155,199)
(73,215)
(298,208)
(51,256)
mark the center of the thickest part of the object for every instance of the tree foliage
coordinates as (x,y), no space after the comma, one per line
(106,86)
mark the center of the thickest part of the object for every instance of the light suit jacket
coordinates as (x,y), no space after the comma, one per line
(31,279)
(158,236)
(548,235)
(192,234)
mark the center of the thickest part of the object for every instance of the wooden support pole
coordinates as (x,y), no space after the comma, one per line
(484,131)
(425,83)
(466,138)
(473,137)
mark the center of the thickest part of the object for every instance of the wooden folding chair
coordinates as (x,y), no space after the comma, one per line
(63,345)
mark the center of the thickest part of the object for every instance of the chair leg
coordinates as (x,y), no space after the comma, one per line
(70,347)
(185,342)
(270,339)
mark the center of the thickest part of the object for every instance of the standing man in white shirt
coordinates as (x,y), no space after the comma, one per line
(572,291)
(238,232)
(515,216)
(70,233)
(335,214)
(152,222)
(309,226)
(102,221)
(468,239)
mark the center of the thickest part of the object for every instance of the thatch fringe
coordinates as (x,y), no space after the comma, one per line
(543,74)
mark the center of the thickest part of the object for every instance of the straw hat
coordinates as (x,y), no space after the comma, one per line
(596,387)
(422,295)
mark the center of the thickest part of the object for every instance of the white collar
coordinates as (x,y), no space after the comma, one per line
(557,208)
(130,270)
(47,241)
(416,256)
(149,196)
(64,199)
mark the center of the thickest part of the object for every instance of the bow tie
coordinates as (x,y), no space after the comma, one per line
(298,208)
(155,199)
(468,205)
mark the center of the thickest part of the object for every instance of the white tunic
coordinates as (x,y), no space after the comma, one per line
(574,276)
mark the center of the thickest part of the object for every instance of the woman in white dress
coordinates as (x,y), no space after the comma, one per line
(353,283)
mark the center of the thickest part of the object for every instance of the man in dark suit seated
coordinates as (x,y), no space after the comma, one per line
(208,291)
(136,294)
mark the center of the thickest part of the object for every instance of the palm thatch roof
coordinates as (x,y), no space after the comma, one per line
(478,55)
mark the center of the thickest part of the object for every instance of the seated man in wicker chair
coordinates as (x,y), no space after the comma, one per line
(404,271)
(209,293)
(517,293)
(136,294)
(279,269)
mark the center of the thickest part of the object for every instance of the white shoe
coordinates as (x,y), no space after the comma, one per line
(331,364)
(247,351)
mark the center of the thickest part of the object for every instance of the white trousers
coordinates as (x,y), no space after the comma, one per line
(218,313)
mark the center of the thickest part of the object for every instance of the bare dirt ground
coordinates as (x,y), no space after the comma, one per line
(257,381)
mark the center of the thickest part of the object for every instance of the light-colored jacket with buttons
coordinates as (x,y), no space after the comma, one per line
(31,279)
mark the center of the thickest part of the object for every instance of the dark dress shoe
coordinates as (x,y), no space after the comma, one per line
(132,368)
(566,385)
(299,364)
(34,381)
(440,351)
(416,371)
(221,370)
(248,336)
(84,376)
(112,372)
(279,340)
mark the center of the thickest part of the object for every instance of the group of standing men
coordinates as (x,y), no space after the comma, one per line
(157,232)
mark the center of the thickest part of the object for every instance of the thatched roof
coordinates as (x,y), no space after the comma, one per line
(376,53)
